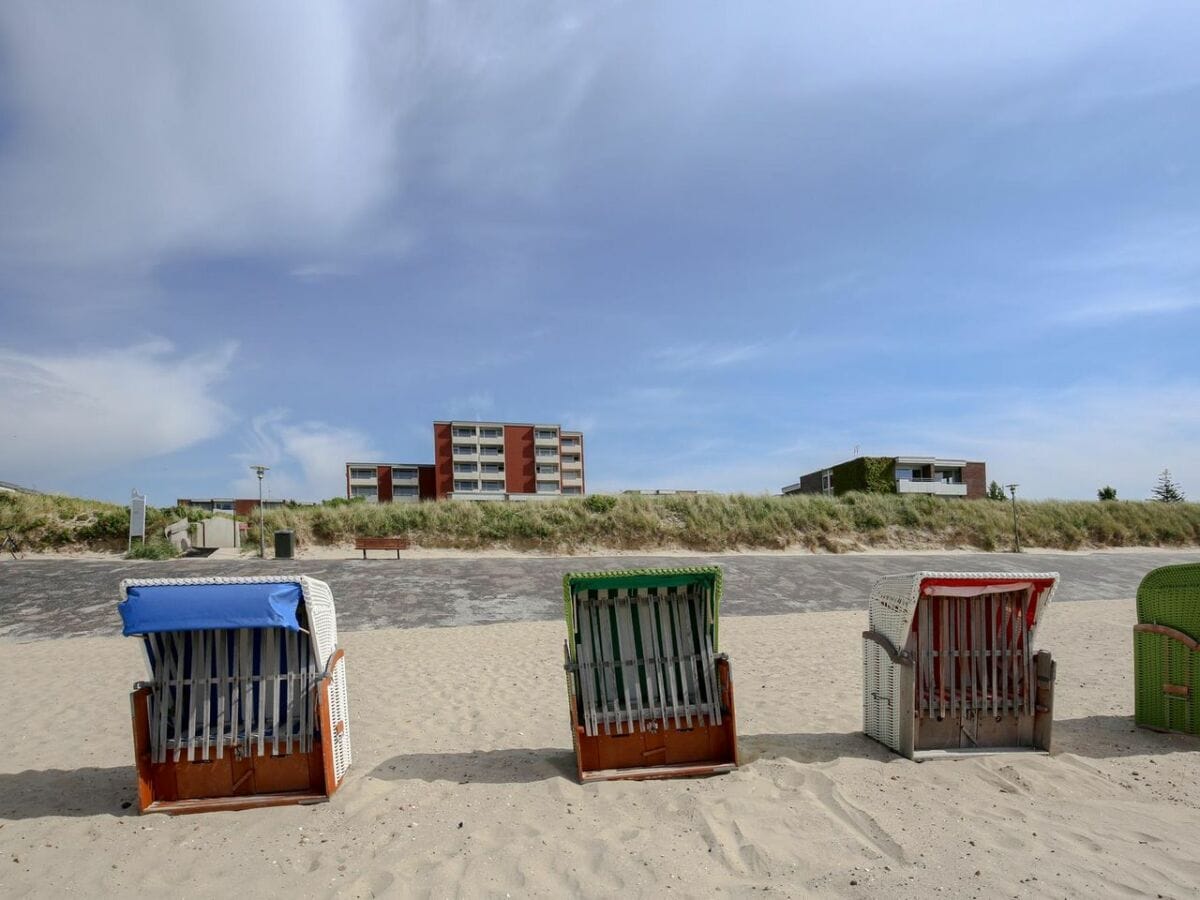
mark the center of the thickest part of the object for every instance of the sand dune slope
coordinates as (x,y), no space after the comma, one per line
(463,784)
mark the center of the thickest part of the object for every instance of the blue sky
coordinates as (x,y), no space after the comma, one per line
(731,244)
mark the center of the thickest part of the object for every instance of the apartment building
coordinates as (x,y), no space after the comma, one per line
(897,475)
(505,460)
(390,482)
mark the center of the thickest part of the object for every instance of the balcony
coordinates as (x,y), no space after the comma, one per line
(546,438)
(930,486)
(545,453)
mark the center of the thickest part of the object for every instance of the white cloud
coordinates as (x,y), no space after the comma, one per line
(685,357)
(307,459)
(139,130)
(1116,310)
(64,415)
(1068,442)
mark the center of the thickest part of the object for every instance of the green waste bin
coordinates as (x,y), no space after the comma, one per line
(285,544)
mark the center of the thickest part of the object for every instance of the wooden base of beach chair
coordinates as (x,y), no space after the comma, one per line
(660,750)
(234,781)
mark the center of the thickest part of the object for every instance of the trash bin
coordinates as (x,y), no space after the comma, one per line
(285,544)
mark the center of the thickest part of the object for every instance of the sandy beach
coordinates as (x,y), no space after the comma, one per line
(463,784)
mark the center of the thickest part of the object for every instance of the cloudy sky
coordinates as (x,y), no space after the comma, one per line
(731,243)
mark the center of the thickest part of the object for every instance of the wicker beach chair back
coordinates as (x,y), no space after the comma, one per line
(246,692)
(643,664)
(1166,650)
(949,664)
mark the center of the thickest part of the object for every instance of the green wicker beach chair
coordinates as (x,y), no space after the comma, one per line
(1166,650)
(649,695)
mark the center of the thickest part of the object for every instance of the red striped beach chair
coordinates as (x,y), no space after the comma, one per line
(949,665)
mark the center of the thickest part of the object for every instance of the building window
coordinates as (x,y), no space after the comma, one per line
(546,435)
(404,492)
(362,474)
(463,432)
(491,451)
(364,490)
(466,485)
(464,449)
(493,486)
(547,451)
(491,432)
(493,468)
(403,474)
(547,487)
(572,490)
(466,467)
(547,470)
(222,506)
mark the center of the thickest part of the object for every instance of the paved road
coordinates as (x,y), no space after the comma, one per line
(49,598)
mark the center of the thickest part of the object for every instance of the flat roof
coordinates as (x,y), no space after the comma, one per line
(394,465)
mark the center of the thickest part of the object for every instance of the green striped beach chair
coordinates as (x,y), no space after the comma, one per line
(649,695)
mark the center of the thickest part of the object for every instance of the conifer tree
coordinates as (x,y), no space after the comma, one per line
(1167,491)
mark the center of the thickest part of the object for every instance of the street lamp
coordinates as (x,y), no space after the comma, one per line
(1012,489)
(262,547)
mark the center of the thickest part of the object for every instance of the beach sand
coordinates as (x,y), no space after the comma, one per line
(463,783)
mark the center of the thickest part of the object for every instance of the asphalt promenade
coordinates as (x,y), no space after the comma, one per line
(42,599)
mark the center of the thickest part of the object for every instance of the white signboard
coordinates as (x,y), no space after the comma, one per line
(137,516)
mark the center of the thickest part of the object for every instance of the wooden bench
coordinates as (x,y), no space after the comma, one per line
(380,543)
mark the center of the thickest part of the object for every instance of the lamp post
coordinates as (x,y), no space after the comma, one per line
(262,547)
(1012,489)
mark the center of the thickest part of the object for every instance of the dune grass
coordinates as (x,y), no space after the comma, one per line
(713,522)
(705,522)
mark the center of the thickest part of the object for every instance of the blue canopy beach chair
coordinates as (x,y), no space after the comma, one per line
(245,704)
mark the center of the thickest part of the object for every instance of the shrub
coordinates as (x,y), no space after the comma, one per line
(600,503)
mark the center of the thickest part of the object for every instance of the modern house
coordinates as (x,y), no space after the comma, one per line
(506,461)
(897,475)
(390,482)
(235,507)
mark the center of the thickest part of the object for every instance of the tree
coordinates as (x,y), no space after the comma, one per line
(1167,491)
(995,492)
(1108,492)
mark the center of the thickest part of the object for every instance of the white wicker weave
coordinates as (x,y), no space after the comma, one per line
(893,604)
(322,627)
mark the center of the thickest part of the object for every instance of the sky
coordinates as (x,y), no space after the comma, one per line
(730,243)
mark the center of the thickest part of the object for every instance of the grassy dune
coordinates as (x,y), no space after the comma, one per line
(698,522)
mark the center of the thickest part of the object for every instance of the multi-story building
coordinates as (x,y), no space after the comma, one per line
(503,460)
(390,482)
(897,475)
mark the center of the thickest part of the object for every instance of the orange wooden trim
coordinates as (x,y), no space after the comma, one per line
(140,714)
(1177,690)
(650,773)
(1168,632)
(331,783)
(232,804)
(725,677)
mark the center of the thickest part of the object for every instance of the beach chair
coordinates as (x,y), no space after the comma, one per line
(949,666)
(245,704)
(1166,650)
(649,695)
